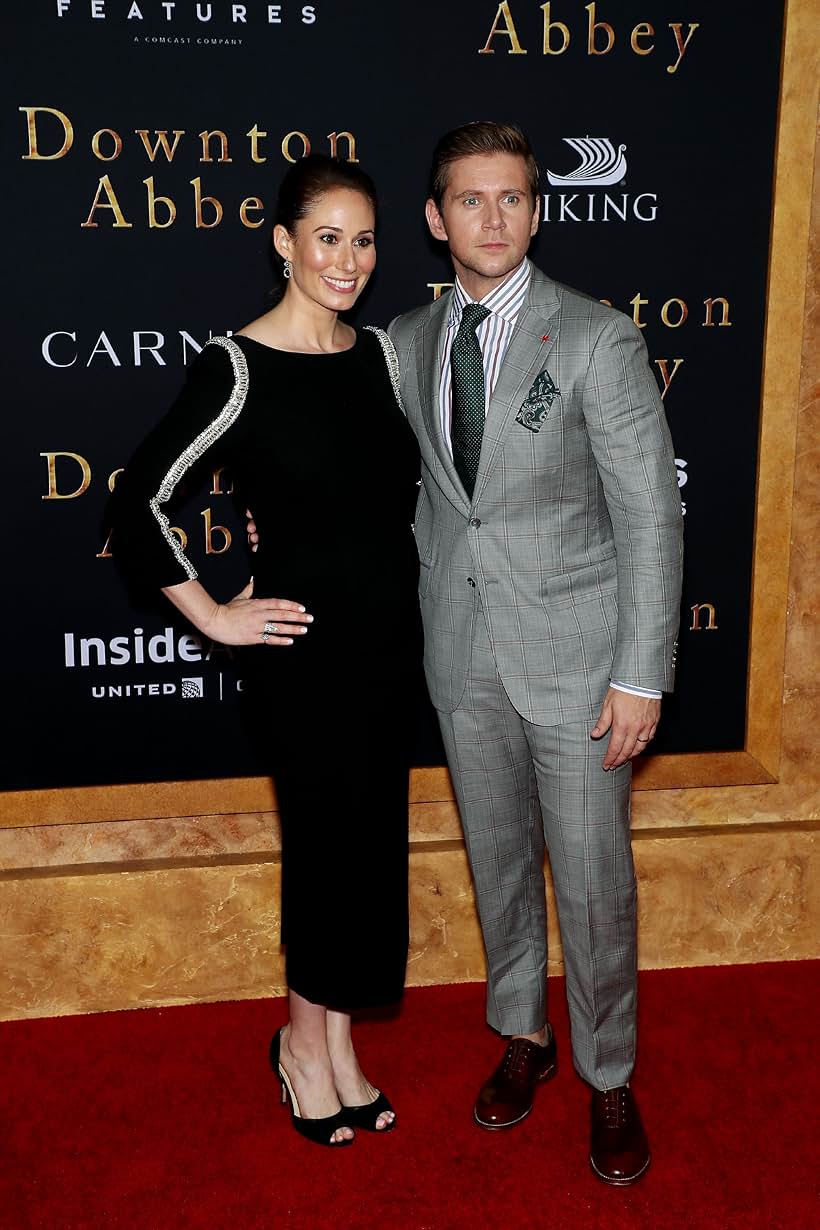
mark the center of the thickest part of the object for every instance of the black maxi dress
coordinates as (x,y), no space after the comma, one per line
(322,454)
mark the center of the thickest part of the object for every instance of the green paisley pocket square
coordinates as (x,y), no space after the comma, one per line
(538,401)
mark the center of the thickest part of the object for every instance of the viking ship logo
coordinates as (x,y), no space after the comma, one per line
(683,479)
(599,165)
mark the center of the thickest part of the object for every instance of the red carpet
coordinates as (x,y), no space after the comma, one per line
(170,1118)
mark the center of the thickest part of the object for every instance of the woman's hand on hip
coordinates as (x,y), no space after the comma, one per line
(246,620)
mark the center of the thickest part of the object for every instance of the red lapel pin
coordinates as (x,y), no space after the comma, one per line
(545,338)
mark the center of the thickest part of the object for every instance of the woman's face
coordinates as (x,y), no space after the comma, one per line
(332,249)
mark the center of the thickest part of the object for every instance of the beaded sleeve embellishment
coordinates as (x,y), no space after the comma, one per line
(227,416)
(392,361)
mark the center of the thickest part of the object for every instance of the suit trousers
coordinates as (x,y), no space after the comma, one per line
(521,787)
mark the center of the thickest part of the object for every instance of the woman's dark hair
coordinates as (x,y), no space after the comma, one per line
(307,181)
(480,137)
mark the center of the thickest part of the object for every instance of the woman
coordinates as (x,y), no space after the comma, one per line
(303,409)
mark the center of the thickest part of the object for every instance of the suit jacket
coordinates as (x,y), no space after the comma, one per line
(572,543)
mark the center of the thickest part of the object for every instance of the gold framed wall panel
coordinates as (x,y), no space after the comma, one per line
(676,788)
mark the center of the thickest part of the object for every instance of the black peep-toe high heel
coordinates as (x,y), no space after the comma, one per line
(366,1117)
(320,1131)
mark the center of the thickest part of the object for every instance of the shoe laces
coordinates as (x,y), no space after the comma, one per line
(614,1106)
(516,1058)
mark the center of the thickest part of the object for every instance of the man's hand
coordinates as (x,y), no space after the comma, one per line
(632,722)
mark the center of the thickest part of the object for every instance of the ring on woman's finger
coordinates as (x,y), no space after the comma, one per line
(640,740)
(269,630)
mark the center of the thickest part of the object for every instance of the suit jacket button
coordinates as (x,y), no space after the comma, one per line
(475,522)
(471,582)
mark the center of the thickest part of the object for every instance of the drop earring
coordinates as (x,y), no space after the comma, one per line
(288,269)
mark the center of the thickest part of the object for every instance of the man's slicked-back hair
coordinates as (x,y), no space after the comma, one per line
(481,137)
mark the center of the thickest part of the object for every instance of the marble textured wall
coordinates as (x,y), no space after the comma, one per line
(96,939)
(97,916)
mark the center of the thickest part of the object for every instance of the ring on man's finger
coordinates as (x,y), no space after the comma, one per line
(640,740)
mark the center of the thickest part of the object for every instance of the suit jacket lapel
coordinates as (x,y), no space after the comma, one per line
(534,336)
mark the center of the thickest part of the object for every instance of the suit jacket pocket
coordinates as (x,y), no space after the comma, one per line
(580,585)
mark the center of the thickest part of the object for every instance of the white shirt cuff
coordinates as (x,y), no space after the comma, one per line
(633,690)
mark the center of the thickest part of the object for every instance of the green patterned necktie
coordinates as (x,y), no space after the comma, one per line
(468,395)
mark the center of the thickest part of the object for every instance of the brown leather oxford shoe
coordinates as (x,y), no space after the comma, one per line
(508,1095)
(619,1150)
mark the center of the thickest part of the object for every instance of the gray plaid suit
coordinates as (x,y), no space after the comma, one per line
(564,572)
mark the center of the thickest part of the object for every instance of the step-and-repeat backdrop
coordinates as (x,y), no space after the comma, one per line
(145,141)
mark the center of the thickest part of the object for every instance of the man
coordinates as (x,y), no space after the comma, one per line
(549,535)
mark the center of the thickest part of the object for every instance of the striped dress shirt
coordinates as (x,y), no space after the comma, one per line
(494,333)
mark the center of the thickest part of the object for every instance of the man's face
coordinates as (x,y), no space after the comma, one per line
(487,218)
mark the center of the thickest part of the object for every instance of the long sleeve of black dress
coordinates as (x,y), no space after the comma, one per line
(205,422)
